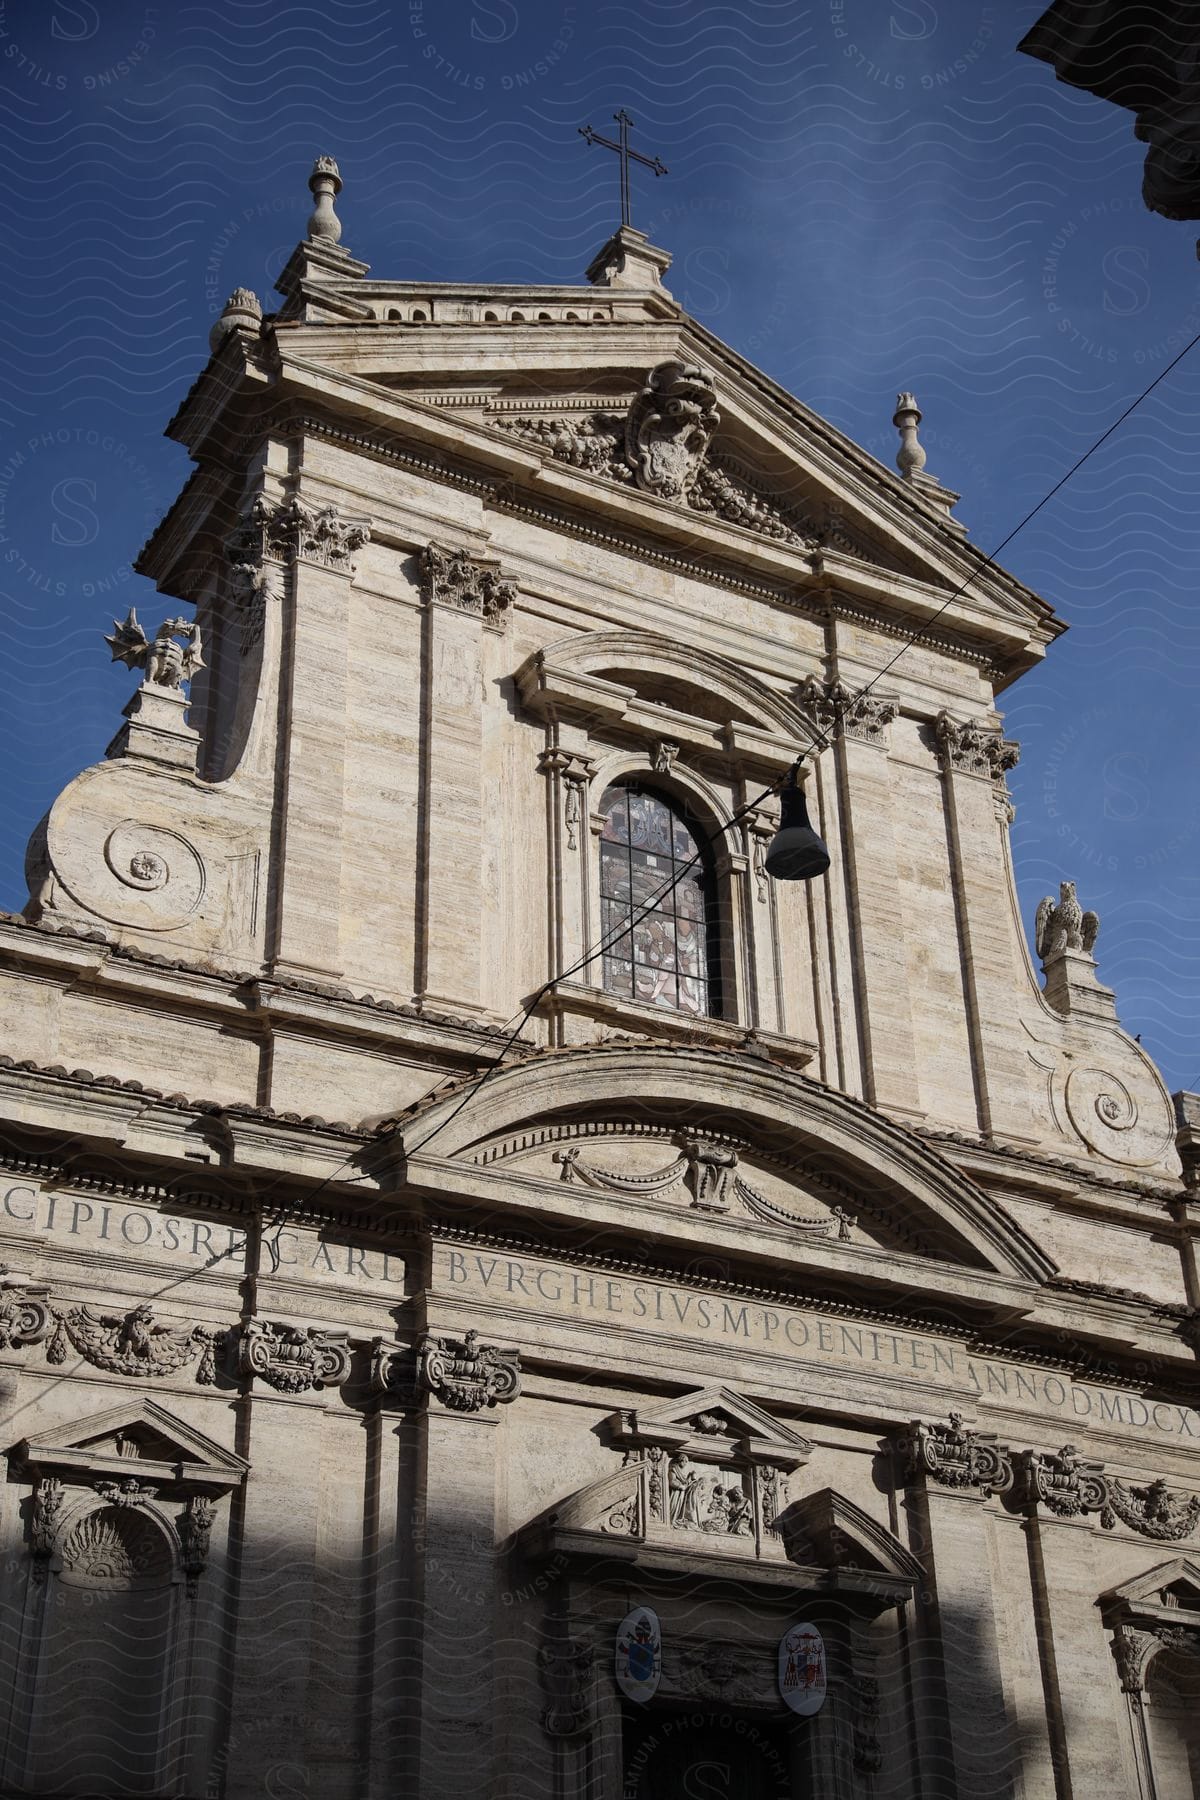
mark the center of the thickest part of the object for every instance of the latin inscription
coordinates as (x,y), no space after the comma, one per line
(809,1336)
(204,1243)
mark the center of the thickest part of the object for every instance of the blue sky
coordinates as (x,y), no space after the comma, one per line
(863,195)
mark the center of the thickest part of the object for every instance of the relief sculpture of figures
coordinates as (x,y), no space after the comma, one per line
(687,1493)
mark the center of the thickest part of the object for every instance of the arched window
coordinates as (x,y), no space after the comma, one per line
(669,958)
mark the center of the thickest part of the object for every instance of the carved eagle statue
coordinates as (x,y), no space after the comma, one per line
(1065,925)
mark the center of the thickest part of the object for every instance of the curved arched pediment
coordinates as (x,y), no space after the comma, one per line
(615,674)
(723,1126)
(638,1514)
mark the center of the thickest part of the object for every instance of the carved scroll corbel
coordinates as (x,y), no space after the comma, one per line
(466,1375)
(292,1359)
(954,1456)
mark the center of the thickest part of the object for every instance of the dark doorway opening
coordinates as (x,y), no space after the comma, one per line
(706,1754)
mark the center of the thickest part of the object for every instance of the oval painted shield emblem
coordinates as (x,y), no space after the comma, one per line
(802,1669)
(639,1655)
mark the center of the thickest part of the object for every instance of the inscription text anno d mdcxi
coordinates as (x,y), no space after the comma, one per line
(630,1304)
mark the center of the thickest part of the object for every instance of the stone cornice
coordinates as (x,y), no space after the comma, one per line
(1058,1326)
(1057,1175)
(72,949)
(1014,614)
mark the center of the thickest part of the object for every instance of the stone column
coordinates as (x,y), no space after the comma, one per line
(455,1549)
(974,761)
(310,805)
(858,726)
(462,596)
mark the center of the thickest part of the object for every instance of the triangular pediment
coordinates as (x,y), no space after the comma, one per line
(138,1436)
(1169,1587)
(714,1423)
(606,410)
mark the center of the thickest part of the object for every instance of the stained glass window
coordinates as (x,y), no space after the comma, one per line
(657,936)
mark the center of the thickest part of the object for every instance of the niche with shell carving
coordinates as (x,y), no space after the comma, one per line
(119,1567)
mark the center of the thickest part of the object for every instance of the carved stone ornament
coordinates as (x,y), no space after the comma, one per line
(165,663)
(129,1492)
(241,312)
(1065,926)
(25,1315)
(195,1531)
(868,1752)
(132,1343)
(734,1673)
(973,749)
(1153,1510)
(710,1466)
(1131,1651)
(255,551)
(838,711)
(467,1376)
(49,1498)
(291,1358)
(955,1457)
(573,773)
(566,1669)
(455,578)
(708,1172)
(595,442)
(669,428)
(270,534)
(1064,1484)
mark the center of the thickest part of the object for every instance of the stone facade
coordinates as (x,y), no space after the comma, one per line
(394,1304)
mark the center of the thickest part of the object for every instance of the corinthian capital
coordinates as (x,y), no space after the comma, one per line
(455,578)
(838,711)
(975,749)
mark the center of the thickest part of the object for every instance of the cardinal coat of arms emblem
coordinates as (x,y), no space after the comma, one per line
(639,1655)
(802,1681)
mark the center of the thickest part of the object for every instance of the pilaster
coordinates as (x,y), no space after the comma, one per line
(970,1747)
(455,1544)
(858,726)
(310,815)
(974,762)
(463,596)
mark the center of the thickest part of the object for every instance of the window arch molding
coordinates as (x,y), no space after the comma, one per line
(572,679)
(681,784)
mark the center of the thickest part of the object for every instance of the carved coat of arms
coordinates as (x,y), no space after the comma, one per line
(669,428)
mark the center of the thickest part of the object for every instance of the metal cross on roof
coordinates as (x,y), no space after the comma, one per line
(626,155)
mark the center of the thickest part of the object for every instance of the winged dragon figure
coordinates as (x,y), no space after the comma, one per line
(166,663)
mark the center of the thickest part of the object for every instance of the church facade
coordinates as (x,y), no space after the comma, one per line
(500,1295)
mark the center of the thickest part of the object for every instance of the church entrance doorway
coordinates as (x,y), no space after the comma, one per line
(706,1755)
